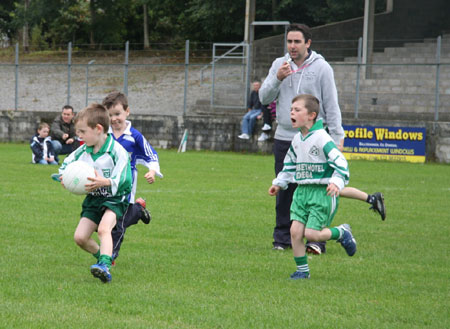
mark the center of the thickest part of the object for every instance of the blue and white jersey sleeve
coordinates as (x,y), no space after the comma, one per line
(145,154)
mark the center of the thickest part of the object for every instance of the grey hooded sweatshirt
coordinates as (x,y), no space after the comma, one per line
(315,76)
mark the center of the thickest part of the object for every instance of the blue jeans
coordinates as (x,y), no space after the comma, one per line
(248,121)
(61,148)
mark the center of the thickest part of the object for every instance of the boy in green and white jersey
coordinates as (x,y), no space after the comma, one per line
(107,199)
(321,172)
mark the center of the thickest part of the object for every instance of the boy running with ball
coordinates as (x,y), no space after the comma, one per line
(107,199)
(321,172)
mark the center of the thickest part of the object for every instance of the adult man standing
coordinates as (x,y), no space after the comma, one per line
(303,71)
(63,135)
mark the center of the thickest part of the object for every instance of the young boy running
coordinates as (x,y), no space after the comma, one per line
(321,172)
(107,199)
(141,152)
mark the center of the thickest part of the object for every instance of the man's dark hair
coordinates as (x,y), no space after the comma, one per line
(67,107)
(301,28)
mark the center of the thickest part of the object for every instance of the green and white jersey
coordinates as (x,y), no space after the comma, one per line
(313,159)
(111,161)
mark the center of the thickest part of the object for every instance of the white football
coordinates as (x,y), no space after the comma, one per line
(75,176)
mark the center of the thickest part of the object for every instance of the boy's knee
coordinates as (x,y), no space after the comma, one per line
(296,232)
(80,240)
(103,231)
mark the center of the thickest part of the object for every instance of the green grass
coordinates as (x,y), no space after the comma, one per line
(205,260)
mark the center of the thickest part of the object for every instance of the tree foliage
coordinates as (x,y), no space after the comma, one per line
(115,21)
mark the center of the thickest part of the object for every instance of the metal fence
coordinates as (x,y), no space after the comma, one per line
(395,82)
(159,84)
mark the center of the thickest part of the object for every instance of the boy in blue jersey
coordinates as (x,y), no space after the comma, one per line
(141,152)
(107,199)
(321,171)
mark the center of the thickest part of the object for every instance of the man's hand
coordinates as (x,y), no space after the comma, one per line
(69,141)
(274,189)
(65,136)
(284,71)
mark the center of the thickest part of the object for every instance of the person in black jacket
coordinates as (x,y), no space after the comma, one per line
(41,146)
(254,112)
(64,139)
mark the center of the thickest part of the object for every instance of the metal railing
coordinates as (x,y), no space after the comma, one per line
(361,66)
(228,54)
(243,61)
(174,87)
(100,78)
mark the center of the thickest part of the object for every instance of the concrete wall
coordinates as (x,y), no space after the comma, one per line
(217,133)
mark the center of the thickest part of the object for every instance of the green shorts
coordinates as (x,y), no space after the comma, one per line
(313,207)
(94,207)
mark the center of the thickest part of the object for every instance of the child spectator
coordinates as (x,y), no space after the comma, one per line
(141,152)
(41,146)
(107,199)
(254,112)
(269,113)
(321,171)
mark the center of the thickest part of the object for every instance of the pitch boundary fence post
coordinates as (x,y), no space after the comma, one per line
(69,68)
(438,69)
(358,77)
(16,100)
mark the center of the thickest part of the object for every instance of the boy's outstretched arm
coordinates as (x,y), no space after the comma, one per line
(150,176)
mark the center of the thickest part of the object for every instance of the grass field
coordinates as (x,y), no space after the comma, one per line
(205,260)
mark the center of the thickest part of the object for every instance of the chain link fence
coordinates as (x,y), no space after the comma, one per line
(161,80)
(166,79)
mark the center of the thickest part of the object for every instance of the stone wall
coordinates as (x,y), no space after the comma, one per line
(215,133)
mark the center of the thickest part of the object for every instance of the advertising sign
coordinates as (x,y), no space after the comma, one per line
(385,143)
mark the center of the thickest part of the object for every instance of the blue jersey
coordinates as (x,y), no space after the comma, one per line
(140,151)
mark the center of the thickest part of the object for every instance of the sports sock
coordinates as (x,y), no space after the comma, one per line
(97,254)
(302,264)
(336,233)
(370,199)
(106,260)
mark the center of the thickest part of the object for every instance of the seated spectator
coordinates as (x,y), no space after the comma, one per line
(269,113)
(64,139)
(41,146)
(254,112)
